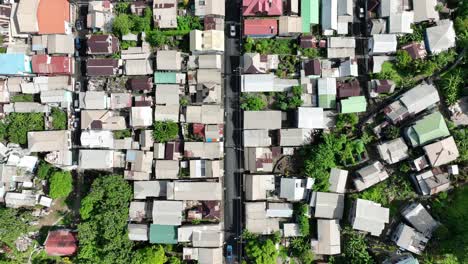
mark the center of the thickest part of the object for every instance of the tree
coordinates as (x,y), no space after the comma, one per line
(156,38)
(174,260)
(311,53)
(13,223)
(59,119)
(452,84)
(461,139)
(355,248)
(122,8)
(19,124)
(45,170)
(122,25)
(102,233)
(300,248)
(150,255)
(164,131)
(260,250)
(61,184)
(250,102)
(302,219)
(289,100)
(346,120)
(403,60)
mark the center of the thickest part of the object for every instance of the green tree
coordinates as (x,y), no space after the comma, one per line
(13,223)
(346,120)
(452,84)
(122,8)
(302,219)
(122,25)
(44,170)
(461,139)
(19,124)
(102,233)
(61,184)
(311,53)
(164,131)
(300,248)
(59,119)
(403,60)
(355,248)
(251,102)
(156,38)
(150,255)
(261,250)
(174,260)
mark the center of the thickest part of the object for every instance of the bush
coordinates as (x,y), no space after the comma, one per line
(164,131)
(45,170)
(61,184)
(251,102)
(271,46)
(19,124)
(22,98)
(289,100)
(311,53)
(302,219)
(461,139)
(121,134)
(59,119)
(125,44)
(452,84)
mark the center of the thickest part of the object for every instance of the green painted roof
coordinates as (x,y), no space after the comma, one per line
(165,77)
(353,104)
(327,101)
(428,128)
(309,14)
(163,234)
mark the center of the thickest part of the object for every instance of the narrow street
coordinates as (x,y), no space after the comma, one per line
(233,158)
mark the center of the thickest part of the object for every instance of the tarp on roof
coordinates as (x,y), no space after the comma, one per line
(163,234)
(354,104)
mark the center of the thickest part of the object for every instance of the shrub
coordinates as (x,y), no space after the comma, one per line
(59,119)
(19,124)
(251,102)
(22,98)
(121,134)
(61,184)
(289,100)
(302,219)
(45,170)
(164,131)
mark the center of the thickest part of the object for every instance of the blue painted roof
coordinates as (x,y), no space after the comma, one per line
(14,64)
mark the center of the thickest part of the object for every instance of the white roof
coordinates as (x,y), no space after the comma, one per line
(97,100)
(198,191)
(310,117)
(205,114)
(328,238)
(338,180)
(138,67)
(256,220)
(96,159)
(170,60)
(291,230)
(442,152)
(425,10)
(97,139)
(383,43)
(369,216)
(256,138)
(293,189)
(393,151)
(327,205)
(166,169)
(262,119)
(47,141)
(166,113)
(167,94)
(257,186)
(266,83)
(144,189)
(204,150)
(167,212)
(401,22)
(292,137)
(141,116)
(138,232)
(441,37)
(420,97)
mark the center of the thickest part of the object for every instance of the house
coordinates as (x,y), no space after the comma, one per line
(166,113)
(140,84)
(212,22)
(370,175)
(47,141)
(203,255)
(163,234)
(97,139)
(100,159)
(138,8)
(15,64)
(408,238)
(138,211)
(170,60)
(137,53)
(102,67)
(260,28)
(327,205)
(309,14)
(262,119)
(291,230)
(389,7)
(442,152)
(165,13)
(415,50)
(348,89)
(93,100)
(293,137)
(169,78)
(58,23)
(440,37)
(400,23)
(138,67)
(328,240)
(208,76)
(256,220)
(353,104)
(254,63)
(326,92)
(310,118)
(345,16)
(208,41)
(204,150)
(432,182)
(425,10)
(45,64)
(102,44)
(100,15)
(141,116)
(251,83)
(198,191)
(208,61)
(62,98)
(295,189)
(383,43)
(261,159)
(145,189)
(209,7)
(167,94)
(369,216)
(102,120)
(412,102)
(337,180)
(166,169)
(167,212)
(262,7)
(204,114)
(61,243)
(341,47)
(381,87)
(348,68)
(209,236)
(378,62)
(290,26)
(138,232)
(206,168)
(393,151)
(258,187)
(312,68)
(329,16)
(60,44)
(120,101)
(420,219)
(138,165)
(308,41)
(427,129)
(18,200)
(378,26)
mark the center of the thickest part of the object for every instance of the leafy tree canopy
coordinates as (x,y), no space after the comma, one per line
(165,131)
(61,184)
(250,102)
(150,255)
(19,124)
(59,119)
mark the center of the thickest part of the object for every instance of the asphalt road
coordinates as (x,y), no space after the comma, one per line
(233,139)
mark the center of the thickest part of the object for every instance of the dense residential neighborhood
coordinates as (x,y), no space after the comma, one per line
(237,131)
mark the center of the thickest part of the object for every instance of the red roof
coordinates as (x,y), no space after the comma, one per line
(260,27)
(52,16)
(262,7)
(199,130)
(61,243)
(45,64)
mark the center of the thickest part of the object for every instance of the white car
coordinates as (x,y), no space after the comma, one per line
(232,30)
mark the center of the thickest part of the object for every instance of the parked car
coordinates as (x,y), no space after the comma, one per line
(229,253)
(232,31)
